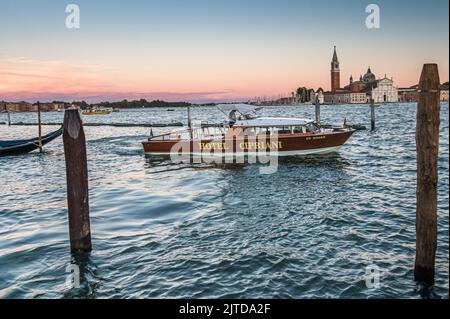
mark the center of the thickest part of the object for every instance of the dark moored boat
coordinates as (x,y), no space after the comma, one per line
(25,146)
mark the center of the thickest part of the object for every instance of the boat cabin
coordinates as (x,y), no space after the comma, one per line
(272,126)
(245,133)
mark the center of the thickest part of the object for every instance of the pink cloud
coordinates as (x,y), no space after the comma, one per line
(95,97)
(48,80)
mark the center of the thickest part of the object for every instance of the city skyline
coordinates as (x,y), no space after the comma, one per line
(200,51)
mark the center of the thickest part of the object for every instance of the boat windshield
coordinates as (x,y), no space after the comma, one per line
(302,129)
(312,127)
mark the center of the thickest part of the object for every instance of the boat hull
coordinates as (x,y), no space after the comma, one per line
(289,145)
(8,148)
(96,113)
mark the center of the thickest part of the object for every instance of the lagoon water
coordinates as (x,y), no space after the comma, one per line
(166,230)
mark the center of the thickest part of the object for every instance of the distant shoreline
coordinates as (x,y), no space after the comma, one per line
(173,107)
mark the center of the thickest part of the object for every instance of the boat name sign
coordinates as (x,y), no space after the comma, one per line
(243,145)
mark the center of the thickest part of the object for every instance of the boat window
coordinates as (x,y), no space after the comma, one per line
(284,130)
(312,128)
(298,129)
(260,130)
(250,131)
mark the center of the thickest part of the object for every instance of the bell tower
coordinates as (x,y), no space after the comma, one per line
(335,73)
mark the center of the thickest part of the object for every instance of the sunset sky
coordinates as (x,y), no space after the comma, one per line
(210,50)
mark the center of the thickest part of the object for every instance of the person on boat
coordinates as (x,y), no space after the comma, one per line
(232,118)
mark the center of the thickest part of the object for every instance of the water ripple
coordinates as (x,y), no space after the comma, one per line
(167,230)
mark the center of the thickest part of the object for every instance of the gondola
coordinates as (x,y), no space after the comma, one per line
(16,147)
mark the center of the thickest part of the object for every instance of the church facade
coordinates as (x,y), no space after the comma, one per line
(364,90)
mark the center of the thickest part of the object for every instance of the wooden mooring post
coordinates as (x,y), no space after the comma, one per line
(189,121)
(9,118)
(317,111)
(77,182)
(372,114)
(427,144)
(39,126)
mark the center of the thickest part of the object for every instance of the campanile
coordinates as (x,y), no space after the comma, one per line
(335,73)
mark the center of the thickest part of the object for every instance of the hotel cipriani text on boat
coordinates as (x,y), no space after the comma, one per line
(246,133)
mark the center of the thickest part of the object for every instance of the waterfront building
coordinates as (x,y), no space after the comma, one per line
(410,94)
(444,92)
(383,91)
(361,91)
(314,96)
(335,73)
(18,107)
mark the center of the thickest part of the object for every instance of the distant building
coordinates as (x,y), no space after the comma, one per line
(314,96)
(55,106)
(335,73)
(47,107)
(383,91)
(410,94)
(362,91)
(444,92)
(18,107)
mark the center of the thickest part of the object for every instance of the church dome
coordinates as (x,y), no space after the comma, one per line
(369,76)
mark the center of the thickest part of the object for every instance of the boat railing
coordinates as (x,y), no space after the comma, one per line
(203,132)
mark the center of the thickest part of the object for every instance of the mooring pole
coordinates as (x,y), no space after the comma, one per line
(9,118)
(427,145)
(39,126)
(318,111)
(190,121)
(77,182)
(372,114)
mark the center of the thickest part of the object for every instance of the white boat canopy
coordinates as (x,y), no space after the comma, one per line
(241,108)
(273,122)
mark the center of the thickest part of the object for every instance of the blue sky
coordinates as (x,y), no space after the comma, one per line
(214,49)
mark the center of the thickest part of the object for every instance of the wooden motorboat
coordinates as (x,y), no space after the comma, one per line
(97,112)
(16,147)
(252,135)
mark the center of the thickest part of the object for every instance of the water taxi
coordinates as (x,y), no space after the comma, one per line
(248,134)
(97,112)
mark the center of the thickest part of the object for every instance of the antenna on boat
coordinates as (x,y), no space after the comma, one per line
(217,107)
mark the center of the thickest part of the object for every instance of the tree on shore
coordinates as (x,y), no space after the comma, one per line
(304,94)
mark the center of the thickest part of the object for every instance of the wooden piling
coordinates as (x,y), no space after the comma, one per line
(9,118)
(372,114)
(39,126)
(77,182)
(317,111)
(190,121)
(427,146)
